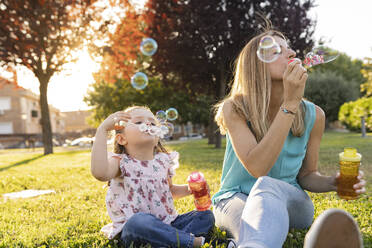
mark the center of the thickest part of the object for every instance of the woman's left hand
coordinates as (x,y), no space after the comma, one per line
(359,187)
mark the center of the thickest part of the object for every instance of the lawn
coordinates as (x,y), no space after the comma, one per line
(74,215)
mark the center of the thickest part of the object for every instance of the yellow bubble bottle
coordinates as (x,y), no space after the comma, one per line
(349,170)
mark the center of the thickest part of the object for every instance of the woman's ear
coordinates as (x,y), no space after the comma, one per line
(121,139)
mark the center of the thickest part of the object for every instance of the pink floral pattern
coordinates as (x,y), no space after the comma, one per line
(141,187)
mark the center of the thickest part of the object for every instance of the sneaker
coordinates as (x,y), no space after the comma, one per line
(334,228)
(229,243)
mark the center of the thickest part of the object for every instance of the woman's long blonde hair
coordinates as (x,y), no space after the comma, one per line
(119,149)
(251,91)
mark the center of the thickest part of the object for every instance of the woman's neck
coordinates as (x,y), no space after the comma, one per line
(140,152)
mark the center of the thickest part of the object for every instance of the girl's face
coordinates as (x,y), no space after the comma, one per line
(278,67)
(132,133)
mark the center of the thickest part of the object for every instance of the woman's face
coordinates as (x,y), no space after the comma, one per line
(278,67)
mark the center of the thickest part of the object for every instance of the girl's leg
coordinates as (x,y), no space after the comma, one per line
(142,227)
(198,223)
(228,213)
(271,208)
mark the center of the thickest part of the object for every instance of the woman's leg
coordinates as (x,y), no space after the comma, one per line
(271,208)
(334,228)
(198,223)
(146,228)
(228,213)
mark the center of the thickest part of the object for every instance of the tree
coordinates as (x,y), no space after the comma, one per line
(42,35)
(349,69)
(366,87)
(199,40)
(108,98)
(351,113)
(329,91)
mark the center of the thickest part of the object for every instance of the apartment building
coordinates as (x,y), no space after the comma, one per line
(20,116)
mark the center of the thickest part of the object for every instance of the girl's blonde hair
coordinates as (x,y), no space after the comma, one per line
(119,149)
(251,91)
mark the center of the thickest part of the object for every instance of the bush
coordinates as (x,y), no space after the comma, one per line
(350,113)
(329,91)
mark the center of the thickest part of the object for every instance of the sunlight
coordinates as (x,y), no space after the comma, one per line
(66,89)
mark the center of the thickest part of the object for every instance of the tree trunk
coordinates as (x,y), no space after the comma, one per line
(45,116)
(211,135)
(220,94)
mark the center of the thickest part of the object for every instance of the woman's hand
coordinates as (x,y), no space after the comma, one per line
(359,187)
(109,123)
(294,80)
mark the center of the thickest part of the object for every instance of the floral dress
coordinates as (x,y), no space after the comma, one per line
(141,187)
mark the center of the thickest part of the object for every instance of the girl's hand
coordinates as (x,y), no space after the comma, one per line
(359,187)
(294,80)
(109,123)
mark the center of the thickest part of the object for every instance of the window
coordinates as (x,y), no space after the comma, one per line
(34,113)
(6,128)
(5,103)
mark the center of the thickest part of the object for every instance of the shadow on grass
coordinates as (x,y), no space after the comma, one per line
(26,161)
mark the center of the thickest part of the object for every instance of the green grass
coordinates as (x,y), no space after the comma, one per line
(74,215)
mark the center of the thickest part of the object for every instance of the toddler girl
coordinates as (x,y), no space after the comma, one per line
(140,195)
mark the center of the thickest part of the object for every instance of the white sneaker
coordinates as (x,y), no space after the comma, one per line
(334,228)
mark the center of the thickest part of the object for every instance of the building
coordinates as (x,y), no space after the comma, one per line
(76,124)
(20,116)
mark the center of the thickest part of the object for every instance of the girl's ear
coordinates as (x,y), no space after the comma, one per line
(121,139)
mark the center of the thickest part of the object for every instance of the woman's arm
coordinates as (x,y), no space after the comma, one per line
(308,177)
(257,158)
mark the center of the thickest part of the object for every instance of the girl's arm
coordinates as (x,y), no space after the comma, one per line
(308,177)
(104,168)
(178,190)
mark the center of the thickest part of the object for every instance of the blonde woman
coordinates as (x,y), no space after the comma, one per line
(272,143)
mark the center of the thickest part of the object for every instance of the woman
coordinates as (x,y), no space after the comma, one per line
(272,143)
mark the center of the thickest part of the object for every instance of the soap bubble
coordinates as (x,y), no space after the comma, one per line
(161,116)
(172,114)
(320,55)
(139,81)
(148,46)
(268,50)
(167,128)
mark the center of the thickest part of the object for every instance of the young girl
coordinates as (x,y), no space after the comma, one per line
(140,196)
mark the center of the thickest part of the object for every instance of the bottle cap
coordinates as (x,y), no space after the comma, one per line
(350,154)
(195,177)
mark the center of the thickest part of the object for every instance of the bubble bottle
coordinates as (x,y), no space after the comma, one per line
(349,170)
(198,187)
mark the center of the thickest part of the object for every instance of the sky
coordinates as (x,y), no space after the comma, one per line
(344,23)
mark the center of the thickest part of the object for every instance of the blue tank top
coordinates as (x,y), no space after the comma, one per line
(235,178)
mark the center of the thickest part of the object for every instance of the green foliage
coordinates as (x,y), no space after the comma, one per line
(74,215)
(329,91)
(346,67)
(351,112)
(109,98)
(366,87)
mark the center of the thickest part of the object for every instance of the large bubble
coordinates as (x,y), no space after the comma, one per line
(161,115)
(148,46)
(139,81)
(172,114)
(268,50)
